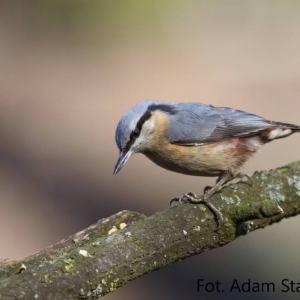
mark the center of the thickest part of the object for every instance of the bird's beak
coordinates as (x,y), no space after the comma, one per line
(123,157)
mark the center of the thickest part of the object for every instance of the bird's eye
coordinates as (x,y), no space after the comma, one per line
(136,132)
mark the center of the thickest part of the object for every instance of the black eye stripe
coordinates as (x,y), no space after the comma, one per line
(138,129)
(143,119)
(146,116)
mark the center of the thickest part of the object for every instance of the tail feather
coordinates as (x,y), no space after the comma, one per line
(279,130)
(286,126)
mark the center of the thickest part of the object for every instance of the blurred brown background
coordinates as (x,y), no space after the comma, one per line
(70,69)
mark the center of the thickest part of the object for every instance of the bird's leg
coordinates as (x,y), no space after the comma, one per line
(239,175)
(223,179)
(192,198)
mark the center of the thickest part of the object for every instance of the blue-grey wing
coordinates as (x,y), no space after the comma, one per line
(198,124)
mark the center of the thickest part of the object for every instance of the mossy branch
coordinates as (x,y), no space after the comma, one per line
(93,263)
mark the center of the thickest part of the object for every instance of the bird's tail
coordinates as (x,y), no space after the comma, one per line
(279,130)
(287,125)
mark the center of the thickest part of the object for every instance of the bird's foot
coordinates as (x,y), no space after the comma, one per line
(193,198)
(206,189)
(184,198)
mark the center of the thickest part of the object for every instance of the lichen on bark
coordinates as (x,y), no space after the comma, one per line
(93,263)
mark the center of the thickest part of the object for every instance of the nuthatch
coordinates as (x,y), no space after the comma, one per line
(195,139)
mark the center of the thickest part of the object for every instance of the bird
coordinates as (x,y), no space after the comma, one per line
(194,138)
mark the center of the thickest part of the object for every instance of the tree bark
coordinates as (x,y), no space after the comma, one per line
(98,260)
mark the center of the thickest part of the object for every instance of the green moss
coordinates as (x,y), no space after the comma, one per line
(162,236)
(196,228)
(114,285)
(47,278)
(69,265)
(202,207)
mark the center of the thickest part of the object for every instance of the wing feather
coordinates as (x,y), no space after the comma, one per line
(198,124)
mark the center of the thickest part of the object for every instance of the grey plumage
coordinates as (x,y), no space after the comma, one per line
(195,139)
(194,123)
(197,123)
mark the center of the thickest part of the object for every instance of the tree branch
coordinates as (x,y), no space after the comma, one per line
(93,263)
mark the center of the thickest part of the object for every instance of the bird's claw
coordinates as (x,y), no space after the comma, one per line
(207,188)
(193,198)
(184,198)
